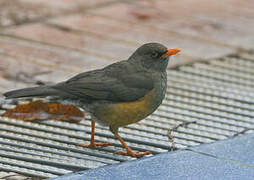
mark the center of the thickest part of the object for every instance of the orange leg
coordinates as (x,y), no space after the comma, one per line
(129,151)
(92,143)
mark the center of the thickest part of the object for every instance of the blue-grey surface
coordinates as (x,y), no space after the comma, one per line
(238,149)
(229,159)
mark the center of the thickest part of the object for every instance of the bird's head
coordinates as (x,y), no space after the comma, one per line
(153,56)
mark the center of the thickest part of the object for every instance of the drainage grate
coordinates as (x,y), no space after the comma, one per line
(214,98)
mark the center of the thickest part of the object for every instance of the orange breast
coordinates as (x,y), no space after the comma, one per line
(121,114)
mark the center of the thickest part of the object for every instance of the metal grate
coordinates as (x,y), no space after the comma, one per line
(215,98)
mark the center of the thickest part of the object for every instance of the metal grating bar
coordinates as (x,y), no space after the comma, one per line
(22,170)
(215,99)
(218,75)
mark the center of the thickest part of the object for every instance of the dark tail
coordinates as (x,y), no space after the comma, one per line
(40,91)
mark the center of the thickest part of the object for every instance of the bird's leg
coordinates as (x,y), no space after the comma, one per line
(92,143)
(129,151)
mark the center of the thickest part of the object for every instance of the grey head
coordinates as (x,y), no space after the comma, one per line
(152,56)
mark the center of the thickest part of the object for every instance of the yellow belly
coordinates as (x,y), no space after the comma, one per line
(121,114)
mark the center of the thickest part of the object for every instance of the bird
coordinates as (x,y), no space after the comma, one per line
(117,95)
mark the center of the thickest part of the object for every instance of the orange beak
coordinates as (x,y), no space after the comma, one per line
(171,52)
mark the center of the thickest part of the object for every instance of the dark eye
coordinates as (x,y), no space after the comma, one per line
(155,55)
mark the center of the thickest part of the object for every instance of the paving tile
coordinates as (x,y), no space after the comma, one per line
(217,31)
(206,8)
(245,4)
(9,64)
(16,12)
(6,85)
(133,34)
(207,20)
(103,50)
(238,149)
(3,86)
(97,46)
(65,4)
(176,165)
(43,33)
(215,20)
(217,25)
(68,60)
(27,74)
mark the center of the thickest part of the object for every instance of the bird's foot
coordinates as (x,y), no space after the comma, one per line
(133,153)
(95,145)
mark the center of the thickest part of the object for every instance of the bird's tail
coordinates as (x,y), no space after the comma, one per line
(40,91)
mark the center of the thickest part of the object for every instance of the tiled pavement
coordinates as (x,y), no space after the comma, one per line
(64,37)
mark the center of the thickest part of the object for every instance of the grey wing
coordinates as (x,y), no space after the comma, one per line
(100,85)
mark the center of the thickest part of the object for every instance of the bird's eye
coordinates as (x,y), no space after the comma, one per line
(155,55)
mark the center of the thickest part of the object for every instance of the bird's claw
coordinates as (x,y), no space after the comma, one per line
(96,145)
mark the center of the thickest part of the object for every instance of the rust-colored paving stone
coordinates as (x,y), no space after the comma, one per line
(211,29)
(6,85)
(66,4)
(16,72)
(102,48)
(89,40)
(17,12)
(213,21)
(136,34)
(98,51)
(99,44)
(216,21)
(243,4)
(104,37)
(49,56)
(186,8)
